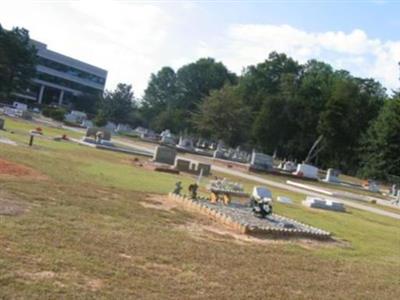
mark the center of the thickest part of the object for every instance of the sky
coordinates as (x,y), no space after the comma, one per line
(132,39)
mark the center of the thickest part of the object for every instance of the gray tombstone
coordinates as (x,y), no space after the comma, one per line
(193,168)
(261,161)
(1,124)
(332,175)
(205,167)
(182,165)
(289,166)
(92,132)
(320,203)
(393,190)
(169,140)
(185,143)
(218,154)
(164,155)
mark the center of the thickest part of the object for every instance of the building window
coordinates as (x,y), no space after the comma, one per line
(66,83)
(70,70)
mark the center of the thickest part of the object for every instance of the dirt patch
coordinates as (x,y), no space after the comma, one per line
(216,232)
(159,202)
(11,207)
(37,275)
(161,268)
(94,284)
(123,255)
(141,162)
(11,169)
(207,229)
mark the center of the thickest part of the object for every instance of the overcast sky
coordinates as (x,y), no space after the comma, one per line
(132,39)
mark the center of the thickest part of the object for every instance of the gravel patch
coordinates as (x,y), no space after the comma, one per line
(274,224)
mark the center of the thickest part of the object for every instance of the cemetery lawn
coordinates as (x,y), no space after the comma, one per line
(87,223)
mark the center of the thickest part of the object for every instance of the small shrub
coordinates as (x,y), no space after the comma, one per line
(56,113)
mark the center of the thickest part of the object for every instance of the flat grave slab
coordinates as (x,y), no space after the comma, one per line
(315,202)
(241,218)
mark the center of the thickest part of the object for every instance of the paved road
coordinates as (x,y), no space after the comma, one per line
(272,183)
(304,191)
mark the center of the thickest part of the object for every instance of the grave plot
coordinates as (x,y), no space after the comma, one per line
(100,138)
(240,218)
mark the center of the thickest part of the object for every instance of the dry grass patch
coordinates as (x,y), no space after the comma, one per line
(159,202)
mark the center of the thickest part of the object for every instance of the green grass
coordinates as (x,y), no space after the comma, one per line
(85,234)
(350,226)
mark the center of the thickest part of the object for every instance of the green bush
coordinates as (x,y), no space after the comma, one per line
(100,119)
(56,113)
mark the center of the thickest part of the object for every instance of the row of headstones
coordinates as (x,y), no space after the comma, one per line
(167,155)
(232,154)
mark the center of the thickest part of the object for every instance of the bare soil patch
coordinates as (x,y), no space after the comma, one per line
(11,169)
(10,207)
(37,275)
(95,284)
(209,230)
(140,162)
(159,202)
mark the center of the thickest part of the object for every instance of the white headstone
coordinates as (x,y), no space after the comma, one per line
(308,171)
(332,175)
(321,203)
(283,199)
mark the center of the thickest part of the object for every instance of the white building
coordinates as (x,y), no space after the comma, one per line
(60,78)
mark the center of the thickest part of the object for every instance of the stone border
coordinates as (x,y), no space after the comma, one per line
(198,207)
(113,148)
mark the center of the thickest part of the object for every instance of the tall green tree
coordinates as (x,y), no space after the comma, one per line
(17,61)
(264,79)
(223,115)
(198,79)
(87,103)
(272,127)
(162,93)
(348,113)
(118,105)
(170,98)
(160,103)
(380,149)
(315,83)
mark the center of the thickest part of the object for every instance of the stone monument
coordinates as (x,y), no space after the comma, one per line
(307,171)
(261,161)
(93,132)
(332,176)
(182,165)
(164,155)
(205,167)
(320,203)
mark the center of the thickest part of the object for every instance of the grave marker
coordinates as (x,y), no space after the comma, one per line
(183,165)
(332,175)
(164,155)
(92,132)
(261,161)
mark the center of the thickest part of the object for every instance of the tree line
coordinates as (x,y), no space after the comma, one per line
(277,106)
(281,106)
